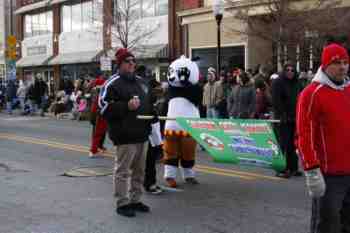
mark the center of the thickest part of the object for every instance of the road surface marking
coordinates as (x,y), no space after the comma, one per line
(85,149)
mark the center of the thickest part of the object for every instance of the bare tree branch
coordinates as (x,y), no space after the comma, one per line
(289,22)
(127,28)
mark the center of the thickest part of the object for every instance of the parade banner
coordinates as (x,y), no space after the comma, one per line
(249,142)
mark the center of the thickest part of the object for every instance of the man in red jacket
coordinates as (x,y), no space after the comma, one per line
(323,132)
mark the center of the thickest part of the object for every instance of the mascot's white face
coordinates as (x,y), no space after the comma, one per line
(183,72)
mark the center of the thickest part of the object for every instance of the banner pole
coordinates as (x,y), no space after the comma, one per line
(164,118)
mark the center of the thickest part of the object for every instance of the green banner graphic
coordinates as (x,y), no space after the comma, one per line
(249,142)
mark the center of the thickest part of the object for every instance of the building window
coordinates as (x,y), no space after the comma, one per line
(81,16)
(38,24)
(28,26)
(148,8)
(161,7)
(134,7)
(76,17)
(141,8)
(66,18)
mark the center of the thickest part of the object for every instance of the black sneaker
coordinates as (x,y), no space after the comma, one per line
(126,211)
(140,207)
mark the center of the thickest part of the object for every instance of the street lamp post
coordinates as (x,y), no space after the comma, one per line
(218,10)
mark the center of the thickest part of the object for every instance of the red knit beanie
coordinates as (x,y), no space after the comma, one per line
(122,54)
(332,53)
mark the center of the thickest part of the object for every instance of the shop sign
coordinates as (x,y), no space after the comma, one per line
(105,63)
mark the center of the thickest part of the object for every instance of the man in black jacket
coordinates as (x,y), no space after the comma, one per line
(285,91)
(123,97)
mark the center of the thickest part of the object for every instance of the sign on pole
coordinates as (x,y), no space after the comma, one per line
(11,70)
(249,142)
(105,63)
(11,55)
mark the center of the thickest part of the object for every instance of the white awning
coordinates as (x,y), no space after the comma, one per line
(72,58)
(33,6)
(39,60)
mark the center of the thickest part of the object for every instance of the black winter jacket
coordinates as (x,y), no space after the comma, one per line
(284,98)
(123,125)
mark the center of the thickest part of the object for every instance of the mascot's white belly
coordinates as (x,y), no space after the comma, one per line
(180,107)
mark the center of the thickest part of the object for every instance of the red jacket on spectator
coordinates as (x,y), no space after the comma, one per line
(323,126)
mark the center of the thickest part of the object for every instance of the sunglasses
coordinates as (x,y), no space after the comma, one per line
(130,60)
(290,70)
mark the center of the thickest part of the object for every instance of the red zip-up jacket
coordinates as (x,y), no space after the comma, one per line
(323,126)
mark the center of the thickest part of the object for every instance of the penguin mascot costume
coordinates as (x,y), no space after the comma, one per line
(183,98)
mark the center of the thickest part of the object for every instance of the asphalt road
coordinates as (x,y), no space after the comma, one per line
(36,198)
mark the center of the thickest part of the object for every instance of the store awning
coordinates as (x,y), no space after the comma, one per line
(33,61)
(73,58)
(33,6)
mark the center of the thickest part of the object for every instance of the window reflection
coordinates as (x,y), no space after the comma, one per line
(87,16)
(162,7)
(38,24)
(76,17)
(142,8)
(66,18)
(148,8)
(81,16)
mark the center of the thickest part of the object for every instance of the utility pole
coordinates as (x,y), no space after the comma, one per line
(11,17)
(11,43)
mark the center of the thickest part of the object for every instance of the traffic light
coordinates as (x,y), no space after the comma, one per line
(11,54)
(11,51)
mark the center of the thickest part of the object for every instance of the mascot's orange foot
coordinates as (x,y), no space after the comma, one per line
(171,182)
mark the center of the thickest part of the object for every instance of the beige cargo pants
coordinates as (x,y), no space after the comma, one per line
(129,172)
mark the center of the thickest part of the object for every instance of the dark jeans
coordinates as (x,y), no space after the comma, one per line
(331,213)
(153,154)
(286,140)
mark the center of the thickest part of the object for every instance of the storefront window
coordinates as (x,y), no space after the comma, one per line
(81,71)
(231,57)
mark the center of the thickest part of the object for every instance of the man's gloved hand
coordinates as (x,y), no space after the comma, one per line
(315,183)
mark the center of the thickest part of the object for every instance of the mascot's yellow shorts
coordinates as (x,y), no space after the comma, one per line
(179,146)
